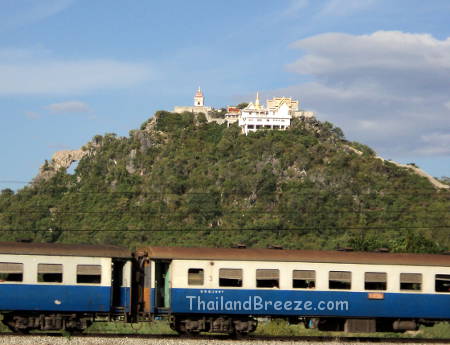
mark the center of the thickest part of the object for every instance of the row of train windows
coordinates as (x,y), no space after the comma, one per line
(306,279)
(50,273)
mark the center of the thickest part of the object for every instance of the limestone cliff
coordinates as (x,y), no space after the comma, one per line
(60,160)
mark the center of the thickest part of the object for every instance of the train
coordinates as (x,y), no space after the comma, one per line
(46,286)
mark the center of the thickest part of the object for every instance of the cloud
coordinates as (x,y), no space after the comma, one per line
(436,144)
(26,12)
(69,107)
(293,8)
(38,73)
(10,55)
(342,8)
(324,10)
(388,89)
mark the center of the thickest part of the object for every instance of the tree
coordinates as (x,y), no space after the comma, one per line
(301,188)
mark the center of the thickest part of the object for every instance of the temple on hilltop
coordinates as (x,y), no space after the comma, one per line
(276,115)
(199,105)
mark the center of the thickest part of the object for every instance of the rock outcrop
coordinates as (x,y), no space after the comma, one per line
(63,159)
(60,160)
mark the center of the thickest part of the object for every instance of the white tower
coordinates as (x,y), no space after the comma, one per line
(198,98)
(257,105)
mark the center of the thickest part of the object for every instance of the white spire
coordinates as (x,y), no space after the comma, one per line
(257,105)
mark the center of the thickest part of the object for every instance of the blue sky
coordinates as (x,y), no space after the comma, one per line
(71,69)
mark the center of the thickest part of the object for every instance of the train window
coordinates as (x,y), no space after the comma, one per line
(267,278)
(303,279)
(50,273)
(442,283)
(375,281)
(340,280)
(411,281)
(195,276)
(230,277)
(89,274)
(11,272)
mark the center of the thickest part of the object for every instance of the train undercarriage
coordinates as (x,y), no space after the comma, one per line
(366,325)
(26,322)
(194,324)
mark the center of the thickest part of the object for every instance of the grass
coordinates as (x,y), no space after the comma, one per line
(155,327)
(279,327)
(274,327)
(438,331)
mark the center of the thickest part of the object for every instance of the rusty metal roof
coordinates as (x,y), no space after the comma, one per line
(59,249)
(255,254)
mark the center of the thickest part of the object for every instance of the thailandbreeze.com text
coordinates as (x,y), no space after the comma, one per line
(258,303)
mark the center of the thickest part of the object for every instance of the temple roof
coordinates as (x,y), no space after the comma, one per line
(199,93)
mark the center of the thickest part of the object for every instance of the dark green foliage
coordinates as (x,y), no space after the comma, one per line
(242,105)
(182,181)
(218,113)
(170,122)
(363,148)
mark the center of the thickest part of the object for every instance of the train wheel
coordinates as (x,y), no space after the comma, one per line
(238,335)
(16,324)
(18,330)
(185,333)
(74,331)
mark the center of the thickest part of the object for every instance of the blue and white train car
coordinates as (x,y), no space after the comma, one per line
(225,290)
(58,286)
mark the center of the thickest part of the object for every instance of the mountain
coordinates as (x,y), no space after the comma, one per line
(180,180)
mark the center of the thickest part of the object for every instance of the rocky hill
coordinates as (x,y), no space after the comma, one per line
(180,180)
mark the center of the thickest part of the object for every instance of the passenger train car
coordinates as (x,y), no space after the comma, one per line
(225,290)
(59,286)
(56,286)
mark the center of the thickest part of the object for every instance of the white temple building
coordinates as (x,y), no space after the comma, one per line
(199,105)
(276,116)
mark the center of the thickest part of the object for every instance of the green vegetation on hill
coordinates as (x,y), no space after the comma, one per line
(179,180)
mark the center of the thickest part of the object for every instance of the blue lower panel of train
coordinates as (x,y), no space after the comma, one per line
(311,303)
(125,298)
(59,298)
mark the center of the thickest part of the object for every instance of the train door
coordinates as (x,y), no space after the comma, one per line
(162,285)
(117,279)
(141,289)
(147,298)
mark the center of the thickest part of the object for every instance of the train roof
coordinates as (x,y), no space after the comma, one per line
(59,249)
(257,254)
